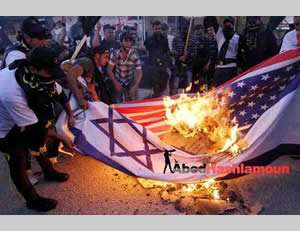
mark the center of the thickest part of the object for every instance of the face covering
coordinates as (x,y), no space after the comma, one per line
(228,32)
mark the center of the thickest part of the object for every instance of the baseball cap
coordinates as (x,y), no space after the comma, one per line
(100,49)
(33,27)
(45,58)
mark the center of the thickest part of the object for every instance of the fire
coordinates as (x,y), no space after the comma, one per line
(204,116)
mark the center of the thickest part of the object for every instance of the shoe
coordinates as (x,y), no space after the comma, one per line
(57,176)
(33,180)
(41,204)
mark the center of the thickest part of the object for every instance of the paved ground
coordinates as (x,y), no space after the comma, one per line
(95,188)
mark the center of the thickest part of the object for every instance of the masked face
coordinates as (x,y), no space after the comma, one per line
(253,25)
(228,30)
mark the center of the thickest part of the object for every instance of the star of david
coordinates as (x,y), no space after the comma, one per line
(112,141)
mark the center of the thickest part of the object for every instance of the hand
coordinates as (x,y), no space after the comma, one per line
(118,87)
(132,90)
(72,121)
(68,144)
(63,19)
(185,53)
(66,66)
(83,104)
(98,26)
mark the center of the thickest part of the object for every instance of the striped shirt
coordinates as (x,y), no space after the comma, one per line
(179,44)
(125,69)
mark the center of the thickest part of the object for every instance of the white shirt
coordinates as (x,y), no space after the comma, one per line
(232,50)
(13,56)
(289,41)
(14,108)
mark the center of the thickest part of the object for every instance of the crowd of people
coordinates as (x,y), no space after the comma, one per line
(117,68)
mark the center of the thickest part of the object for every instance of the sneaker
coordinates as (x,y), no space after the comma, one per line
(33,180)
(57,176)
(41,204)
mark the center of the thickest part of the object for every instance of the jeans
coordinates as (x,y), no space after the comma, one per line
(120,97)
(187,75)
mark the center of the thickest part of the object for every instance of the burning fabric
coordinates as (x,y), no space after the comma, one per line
(202,124)
(237,123)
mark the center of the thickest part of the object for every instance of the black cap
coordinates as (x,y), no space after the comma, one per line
(108,26)
(126,36)
(229,19)
(33,27)
(45,58)
(102,49)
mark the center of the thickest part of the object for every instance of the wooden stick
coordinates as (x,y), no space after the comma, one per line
(119,21)
(78,48)
(188,35)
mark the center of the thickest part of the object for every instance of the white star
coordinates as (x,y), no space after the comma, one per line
(251,104)
(281,87)
(231,94)
(242,113)
(292,77)
(265,77)
(277,78)
(264,107)
(241,84)
(273,97)
(252,95)
(243,96)
(260,95)
(241,102)
(289,68)
(253,88)
(255,116)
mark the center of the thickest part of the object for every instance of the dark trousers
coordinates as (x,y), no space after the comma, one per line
(14,144)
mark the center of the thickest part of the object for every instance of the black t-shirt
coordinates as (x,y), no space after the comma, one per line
(158,48)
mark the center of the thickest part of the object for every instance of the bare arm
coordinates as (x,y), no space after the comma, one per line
(72,76)
(96,39)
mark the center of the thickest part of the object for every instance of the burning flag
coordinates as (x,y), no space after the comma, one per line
(240,122)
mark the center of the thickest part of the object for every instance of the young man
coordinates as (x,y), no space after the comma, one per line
(291,40)
(32,35)
(128,70)
(183,59)
(158,48)
(85,75)
(25,115)
(109,38)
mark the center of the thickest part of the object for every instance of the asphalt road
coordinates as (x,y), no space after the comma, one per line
(97,189)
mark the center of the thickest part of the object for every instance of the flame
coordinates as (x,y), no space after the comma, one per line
(188,88)
(206,115)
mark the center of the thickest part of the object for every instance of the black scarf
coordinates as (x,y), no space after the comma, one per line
(41,93)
